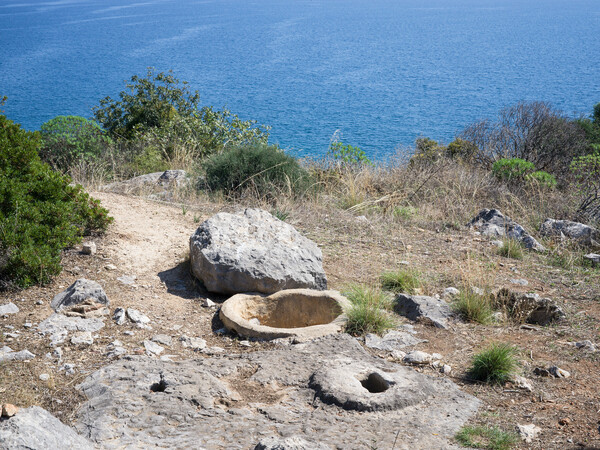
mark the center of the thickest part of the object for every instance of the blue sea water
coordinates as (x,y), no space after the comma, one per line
(383,72)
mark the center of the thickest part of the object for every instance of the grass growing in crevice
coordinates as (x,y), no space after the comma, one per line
(492,438)
(402,280)
(511,249)
(370,311)
(473,307)
(495,365)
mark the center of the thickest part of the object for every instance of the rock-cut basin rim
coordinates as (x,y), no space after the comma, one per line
(293,312)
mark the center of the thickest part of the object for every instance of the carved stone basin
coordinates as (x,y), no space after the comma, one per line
(293,312)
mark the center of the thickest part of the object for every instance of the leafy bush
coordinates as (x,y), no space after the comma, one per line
(40,214)
(403,280)
(68,139)
(262,167)
(427,151)
(459,149)
(496,364)
(369,311)
(473,307)
(512,169)
(347,154)
(542,179)
(163,112)
(486,437)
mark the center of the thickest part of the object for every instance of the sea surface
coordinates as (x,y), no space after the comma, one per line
(381,72)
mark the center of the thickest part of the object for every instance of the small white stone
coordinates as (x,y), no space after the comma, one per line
(450,292)
(528,432)
(137,317)
(152,348)
(44,377)
(558,372)
(522,383)
(208,303)
(82,338)
(245,343)
(418,358)
(110,267)
(89,248)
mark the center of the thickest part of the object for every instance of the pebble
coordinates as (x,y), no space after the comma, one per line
(128,333)
(450,292)
(128,280)
(137,317)
(194,343)
(82,338)
(110,267)
(208,303)
(519,281)
(245,343)
(528,432)
(558,372)
(446,369)
(44,377)
(9,308)
(119,316)
(39,302)
(9,410)
(68,368)
(564,421)
(418,357)
(152,348)
(522,383)
(89,248)
(162,339)
(586,345)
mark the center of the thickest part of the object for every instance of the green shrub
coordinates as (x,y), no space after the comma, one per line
(262,167)
(496,364)
(347,154)
(542,179)
(427,151)
(486,437)
(459,149)
(404,212)
(511,249)
(369,312)
(473,307)
(513,169)
(69,139)
(40,214)
(403,280)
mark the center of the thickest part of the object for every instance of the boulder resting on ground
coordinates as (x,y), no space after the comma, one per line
(252,251)
(423,309)
(529,308)
(79,292)
(492,223)
(565,229)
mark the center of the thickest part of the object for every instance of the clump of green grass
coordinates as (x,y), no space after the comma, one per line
(511,249)
(492,438)
(496,364)
(473,307)
(402,280)
(369,312)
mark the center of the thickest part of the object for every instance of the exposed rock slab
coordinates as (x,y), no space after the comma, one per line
(229,401)
(9,308)
(149,183)
(58,326)
(565,229)
(491,222)
(252,251)
(36,429)
(79,292)
(393,340)
(424,309)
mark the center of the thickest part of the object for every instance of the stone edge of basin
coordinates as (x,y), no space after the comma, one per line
(233,321)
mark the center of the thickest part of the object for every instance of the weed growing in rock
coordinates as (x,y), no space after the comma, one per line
(495,365)
(492,438)
(402,280)
(511,249)
(473,307)
(369,312)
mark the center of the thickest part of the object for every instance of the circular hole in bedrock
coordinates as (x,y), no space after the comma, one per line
(375,383)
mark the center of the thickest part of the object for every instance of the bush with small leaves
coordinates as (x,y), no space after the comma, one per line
(40,212)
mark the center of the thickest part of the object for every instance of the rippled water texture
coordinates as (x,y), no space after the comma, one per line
(382,71)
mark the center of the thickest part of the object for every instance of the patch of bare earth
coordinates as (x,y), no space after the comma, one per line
(149,241)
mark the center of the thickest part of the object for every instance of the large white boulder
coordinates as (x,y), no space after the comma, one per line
(252,251)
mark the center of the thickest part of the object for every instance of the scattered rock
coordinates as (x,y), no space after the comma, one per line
(9,308)
(564,421)
(110,267)
(594,258)
(35,428)
(446,369)
(393,340)
(450,292)
(529,308)
(88,308)
(128,280)
(119,316)
(522,383)
(290,443)
(82,338)
(79,292)
(162,339)
(208,303)
(69,369)
(89,248)
(152,348)
(39,302)
(557,372)
(245,343)
(115,349)
(253,251)
(565,229)
(422,308)
(194,343)
(138,318)
(528,432)
(23,355)
(44,377)
(491,222)
(9,410)
(519,281)
(58,326)
(586,345)
(419,358)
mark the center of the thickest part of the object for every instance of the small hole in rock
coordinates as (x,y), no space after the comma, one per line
(375,383)
(159,387)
